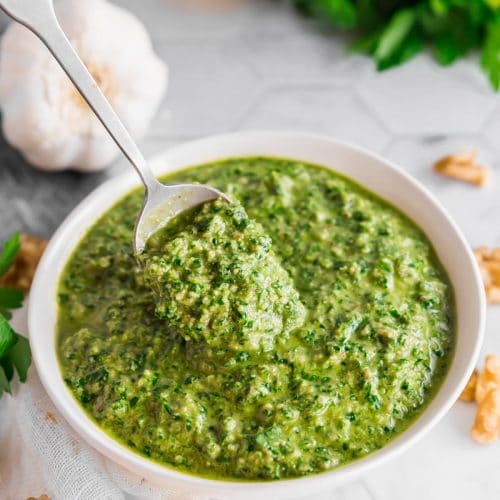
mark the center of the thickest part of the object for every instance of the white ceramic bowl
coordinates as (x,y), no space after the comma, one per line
(371,171)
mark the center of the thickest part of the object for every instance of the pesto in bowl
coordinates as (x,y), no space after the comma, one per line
(365,348)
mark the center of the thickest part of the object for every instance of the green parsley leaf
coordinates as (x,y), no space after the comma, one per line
(7,336)
(4,383)
(305,7)
(8,367)
(20,356)
(369,14)
(439,7)
(394,35)
(9,252)
(453,35)
(446,49)
(11,298)
(341,13)
(411,46)
(5,313)
(490,60)
(366,44)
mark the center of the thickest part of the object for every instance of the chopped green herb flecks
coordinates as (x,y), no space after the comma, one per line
(231,289)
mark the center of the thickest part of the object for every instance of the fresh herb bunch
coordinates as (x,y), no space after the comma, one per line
(394,31)
(15,353)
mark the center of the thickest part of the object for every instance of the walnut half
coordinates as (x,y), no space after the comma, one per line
(469,392)
(462,166)
(484,388)
(487,424)
(489,264)
(20,275)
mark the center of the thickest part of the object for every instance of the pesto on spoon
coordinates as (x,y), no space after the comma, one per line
(217,280)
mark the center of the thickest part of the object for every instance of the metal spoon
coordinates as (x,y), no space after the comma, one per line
(161,202)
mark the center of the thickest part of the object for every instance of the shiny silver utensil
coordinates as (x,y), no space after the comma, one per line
(161,202)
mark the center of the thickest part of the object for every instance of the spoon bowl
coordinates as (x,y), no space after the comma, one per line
(162,202)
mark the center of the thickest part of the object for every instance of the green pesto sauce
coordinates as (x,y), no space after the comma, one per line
(219,284)
(297,341)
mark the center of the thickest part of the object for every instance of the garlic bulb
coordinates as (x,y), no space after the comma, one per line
(43,114)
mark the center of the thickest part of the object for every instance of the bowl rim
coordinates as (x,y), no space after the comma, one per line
(46,281)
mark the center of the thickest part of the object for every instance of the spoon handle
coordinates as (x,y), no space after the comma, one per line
(39,17)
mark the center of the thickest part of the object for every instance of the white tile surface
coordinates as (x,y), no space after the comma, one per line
(326,109)
(424,99)
(258,65)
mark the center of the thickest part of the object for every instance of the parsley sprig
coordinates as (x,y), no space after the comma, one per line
(15,353)
(394,31)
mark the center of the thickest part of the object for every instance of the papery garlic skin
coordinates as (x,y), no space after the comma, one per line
(43,114)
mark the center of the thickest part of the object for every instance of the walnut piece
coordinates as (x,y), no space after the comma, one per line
(489,265)
(487,424)
(485,389)
(489,378)
(462,166)
(20,275)
(41,497)
(469,392)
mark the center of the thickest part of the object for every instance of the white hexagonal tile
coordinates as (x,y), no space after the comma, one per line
(210,86)
(264,18)
(423,98)
(351,491)
(491,128)
(306,56)
(331,110)
(178,19)
(474,209)
(202,19)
